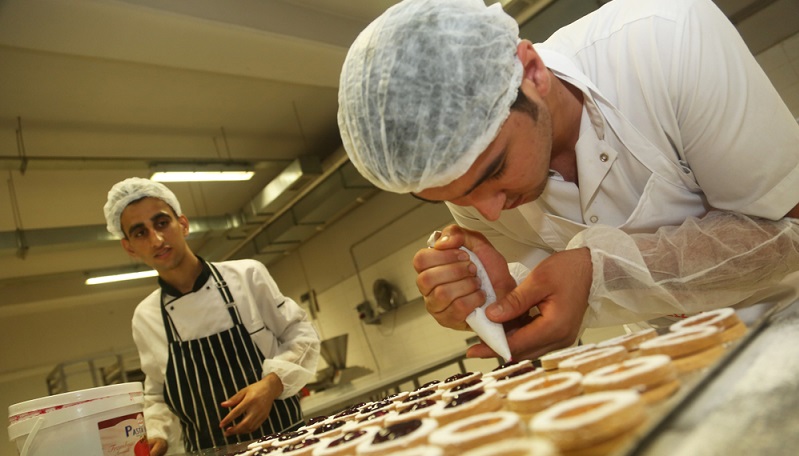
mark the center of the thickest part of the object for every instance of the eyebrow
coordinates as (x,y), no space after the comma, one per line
(152,219)
(489,171)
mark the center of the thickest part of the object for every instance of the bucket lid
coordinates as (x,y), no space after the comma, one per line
(72,398)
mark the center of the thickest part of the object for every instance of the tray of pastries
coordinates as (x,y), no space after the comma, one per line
(593,399)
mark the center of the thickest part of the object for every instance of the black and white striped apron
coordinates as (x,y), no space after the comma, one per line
(202,373)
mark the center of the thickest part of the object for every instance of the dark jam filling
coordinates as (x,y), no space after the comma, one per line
(519,372)
(375,406)
(419,395)
(463,398)
(419,405)
(267,438)
(374,416)
(352,435)
(463,386)
(266,450)
(304,444)
(458,377)
(316,419)
(327,427)
(427,385)
(396,431)
(508,364)
(290,435)
(349,411)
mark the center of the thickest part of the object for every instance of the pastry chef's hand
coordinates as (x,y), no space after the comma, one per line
(158,446)
(448,281)
(559,287)
(252,404)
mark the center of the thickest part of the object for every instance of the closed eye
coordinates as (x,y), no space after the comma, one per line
(500,170)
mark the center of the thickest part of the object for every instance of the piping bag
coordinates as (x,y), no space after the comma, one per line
(492,333)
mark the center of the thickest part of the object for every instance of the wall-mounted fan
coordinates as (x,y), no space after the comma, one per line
(387,296)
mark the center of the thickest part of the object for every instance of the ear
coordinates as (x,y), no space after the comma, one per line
(535,72)
(126,246)
(184,223)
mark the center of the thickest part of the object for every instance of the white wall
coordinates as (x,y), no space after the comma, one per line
(781,64)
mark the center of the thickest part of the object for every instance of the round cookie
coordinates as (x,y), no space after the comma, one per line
(552,360)
(537,394)
(477,430)
(690,349)
(526,446)
(459,379)
(398,437)
(467,404)
(725,319)
(629,341)
(591,419)
(504,384)
(420,409)
(593,359)
(653,376)
(507,368)
(346,443)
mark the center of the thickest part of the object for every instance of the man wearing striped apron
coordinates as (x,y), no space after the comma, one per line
(223,351)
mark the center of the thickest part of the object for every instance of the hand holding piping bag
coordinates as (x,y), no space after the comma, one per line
(492,333)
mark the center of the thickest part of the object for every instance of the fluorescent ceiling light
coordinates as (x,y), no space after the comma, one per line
(121,277)
(201,176)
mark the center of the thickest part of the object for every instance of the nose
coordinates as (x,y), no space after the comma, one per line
(489,205)
(156,238)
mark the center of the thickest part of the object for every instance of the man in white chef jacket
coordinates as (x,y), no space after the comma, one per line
(637,164)
(222,349)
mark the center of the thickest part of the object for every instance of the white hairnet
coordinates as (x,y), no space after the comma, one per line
(424,90)
(130,190)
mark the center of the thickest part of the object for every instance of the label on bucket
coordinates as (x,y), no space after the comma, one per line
(124,436)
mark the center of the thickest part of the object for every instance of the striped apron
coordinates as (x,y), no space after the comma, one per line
(201,373)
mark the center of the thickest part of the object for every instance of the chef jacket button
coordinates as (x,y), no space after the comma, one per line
(603,157)
(171,307)
(594,219)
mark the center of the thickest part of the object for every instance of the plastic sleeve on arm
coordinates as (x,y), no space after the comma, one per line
(722,260)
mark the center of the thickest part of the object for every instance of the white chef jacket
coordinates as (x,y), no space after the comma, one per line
(277,325)
(678,118)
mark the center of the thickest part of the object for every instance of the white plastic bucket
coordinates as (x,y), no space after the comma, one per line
(104,421)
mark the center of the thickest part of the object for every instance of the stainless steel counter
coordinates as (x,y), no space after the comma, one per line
(748,404)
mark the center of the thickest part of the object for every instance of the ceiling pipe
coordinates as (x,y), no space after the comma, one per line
(48,237)
(13,162)
(334,162)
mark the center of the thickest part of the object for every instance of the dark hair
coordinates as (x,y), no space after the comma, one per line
(524,105)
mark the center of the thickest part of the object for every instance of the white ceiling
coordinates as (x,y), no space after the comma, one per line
(94,91)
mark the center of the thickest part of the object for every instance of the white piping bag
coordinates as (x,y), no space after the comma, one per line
(492,333)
